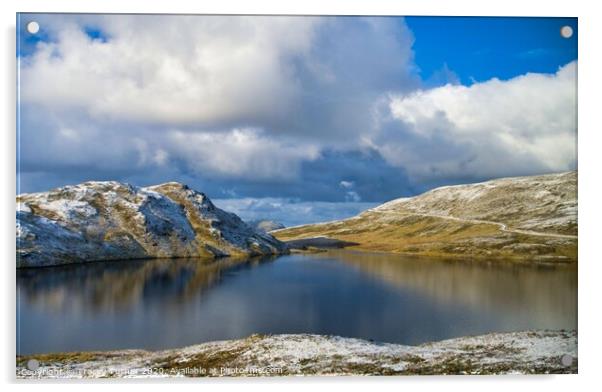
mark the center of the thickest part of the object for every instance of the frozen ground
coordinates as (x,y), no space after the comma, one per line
(529,352)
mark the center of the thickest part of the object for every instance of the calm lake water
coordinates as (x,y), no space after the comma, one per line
(171,303)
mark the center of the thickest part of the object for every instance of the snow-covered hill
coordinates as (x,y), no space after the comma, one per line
(533,216)
(111,220)
(546,203)
(265,225)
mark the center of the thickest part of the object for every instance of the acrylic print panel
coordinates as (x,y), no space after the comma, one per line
(278,195)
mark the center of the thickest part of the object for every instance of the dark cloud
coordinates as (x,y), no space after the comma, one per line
(324,110)
(291,212)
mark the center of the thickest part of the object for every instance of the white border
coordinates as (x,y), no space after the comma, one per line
(317,7)
(590,197)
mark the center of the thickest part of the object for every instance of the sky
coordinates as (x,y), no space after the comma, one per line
(295,119)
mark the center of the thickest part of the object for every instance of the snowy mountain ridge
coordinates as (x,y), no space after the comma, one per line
(111,220)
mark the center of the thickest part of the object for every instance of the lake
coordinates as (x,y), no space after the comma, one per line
(156,304)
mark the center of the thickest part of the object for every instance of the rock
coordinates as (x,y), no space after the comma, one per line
(97,221)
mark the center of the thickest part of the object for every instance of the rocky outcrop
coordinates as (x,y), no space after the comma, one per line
(97,221)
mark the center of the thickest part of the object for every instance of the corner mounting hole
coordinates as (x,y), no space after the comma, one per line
(566,31)
(33,27)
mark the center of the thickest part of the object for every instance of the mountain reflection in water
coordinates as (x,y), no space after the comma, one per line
(154,304)
(120,285)
(547,291)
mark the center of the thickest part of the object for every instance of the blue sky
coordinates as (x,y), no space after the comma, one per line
(479,48)
(297,118)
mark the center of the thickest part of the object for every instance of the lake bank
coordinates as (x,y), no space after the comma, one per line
(525,352)
(323,243)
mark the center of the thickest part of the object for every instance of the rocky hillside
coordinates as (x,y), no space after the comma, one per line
(524,217)
(110,220)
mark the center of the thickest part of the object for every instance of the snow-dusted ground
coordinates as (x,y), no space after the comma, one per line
(497,353)
(523,218)
(535,205)
(502,226)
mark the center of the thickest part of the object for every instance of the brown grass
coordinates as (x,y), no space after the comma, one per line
(432,236)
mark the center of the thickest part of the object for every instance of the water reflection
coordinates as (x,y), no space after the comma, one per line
(548,292)
(158,304)
(119,286)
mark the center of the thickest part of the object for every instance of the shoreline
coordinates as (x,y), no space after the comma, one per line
(526,352)
(310,246)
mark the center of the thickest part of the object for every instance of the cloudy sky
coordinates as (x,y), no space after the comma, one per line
(297,119)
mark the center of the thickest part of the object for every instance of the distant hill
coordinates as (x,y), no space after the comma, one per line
(111,220)
(531,217)
(265,225)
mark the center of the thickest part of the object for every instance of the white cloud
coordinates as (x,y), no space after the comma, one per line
(235,96)
(219,72)
(526,124)
(240,153)
(244,99)
(350,194)
(171,69)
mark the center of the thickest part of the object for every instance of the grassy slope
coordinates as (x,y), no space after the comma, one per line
(541,204)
